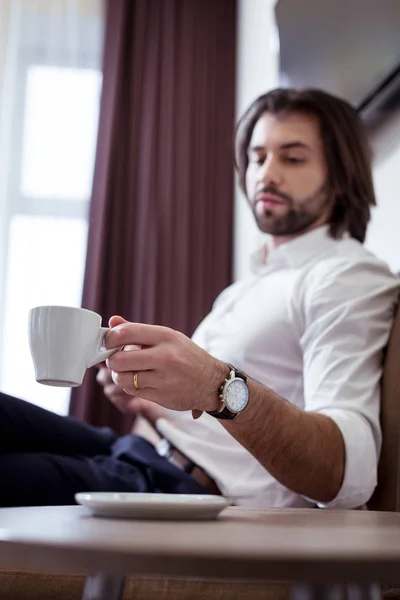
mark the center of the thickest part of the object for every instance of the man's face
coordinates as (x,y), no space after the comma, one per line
(287,174)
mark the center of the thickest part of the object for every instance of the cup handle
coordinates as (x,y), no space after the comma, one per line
(101,355)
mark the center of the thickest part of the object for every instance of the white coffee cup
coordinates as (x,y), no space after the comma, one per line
(64,342)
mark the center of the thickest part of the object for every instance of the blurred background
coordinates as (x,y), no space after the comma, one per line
(116,126)
(51,77)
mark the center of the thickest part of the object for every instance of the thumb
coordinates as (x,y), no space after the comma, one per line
(116,320)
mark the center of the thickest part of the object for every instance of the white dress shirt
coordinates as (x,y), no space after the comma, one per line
(311,324)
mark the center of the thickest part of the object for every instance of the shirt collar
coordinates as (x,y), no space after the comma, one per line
(295,253)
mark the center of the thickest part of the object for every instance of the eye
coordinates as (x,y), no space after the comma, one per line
(293,160)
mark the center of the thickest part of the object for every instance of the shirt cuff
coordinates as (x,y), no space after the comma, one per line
(361,461)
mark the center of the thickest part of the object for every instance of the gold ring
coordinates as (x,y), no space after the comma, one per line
(135,380)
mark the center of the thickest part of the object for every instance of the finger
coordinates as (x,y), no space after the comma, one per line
(196,414)
(129,347)
(101,365)
(104,376)
(145,379)
(143,394)
(113,391)
(134,360)
(138,334)
(116,320)
(153,396)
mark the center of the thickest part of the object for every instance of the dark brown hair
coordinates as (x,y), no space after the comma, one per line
(347,152)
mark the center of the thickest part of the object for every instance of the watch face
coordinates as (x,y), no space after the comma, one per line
(236,394)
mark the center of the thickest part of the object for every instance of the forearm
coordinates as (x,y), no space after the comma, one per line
(303,451)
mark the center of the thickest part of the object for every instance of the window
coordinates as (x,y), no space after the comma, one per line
(52,148)
(60,126)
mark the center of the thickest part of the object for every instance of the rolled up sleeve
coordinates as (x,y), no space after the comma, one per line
(348,314)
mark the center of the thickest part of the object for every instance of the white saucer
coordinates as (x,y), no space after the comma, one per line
(177,507)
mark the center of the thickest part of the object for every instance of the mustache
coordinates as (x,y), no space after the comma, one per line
(271,190)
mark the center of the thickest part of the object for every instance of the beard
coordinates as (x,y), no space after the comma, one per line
(300,214)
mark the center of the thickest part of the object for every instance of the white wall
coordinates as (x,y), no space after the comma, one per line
(257,71)
(384,232)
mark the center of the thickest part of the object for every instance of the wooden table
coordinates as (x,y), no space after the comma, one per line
(315,549)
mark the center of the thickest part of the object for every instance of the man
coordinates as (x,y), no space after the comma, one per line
(300,343)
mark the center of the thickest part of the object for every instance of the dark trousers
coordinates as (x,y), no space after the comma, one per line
(45,459)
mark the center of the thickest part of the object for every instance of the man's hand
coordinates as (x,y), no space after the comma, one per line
(172,370)
(125,403)
(117,396)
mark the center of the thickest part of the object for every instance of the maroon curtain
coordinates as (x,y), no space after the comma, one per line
(160,235)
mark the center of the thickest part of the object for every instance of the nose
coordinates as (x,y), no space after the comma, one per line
(269,173)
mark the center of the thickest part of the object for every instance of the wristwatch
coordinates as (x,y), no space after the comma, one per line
(234,395)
